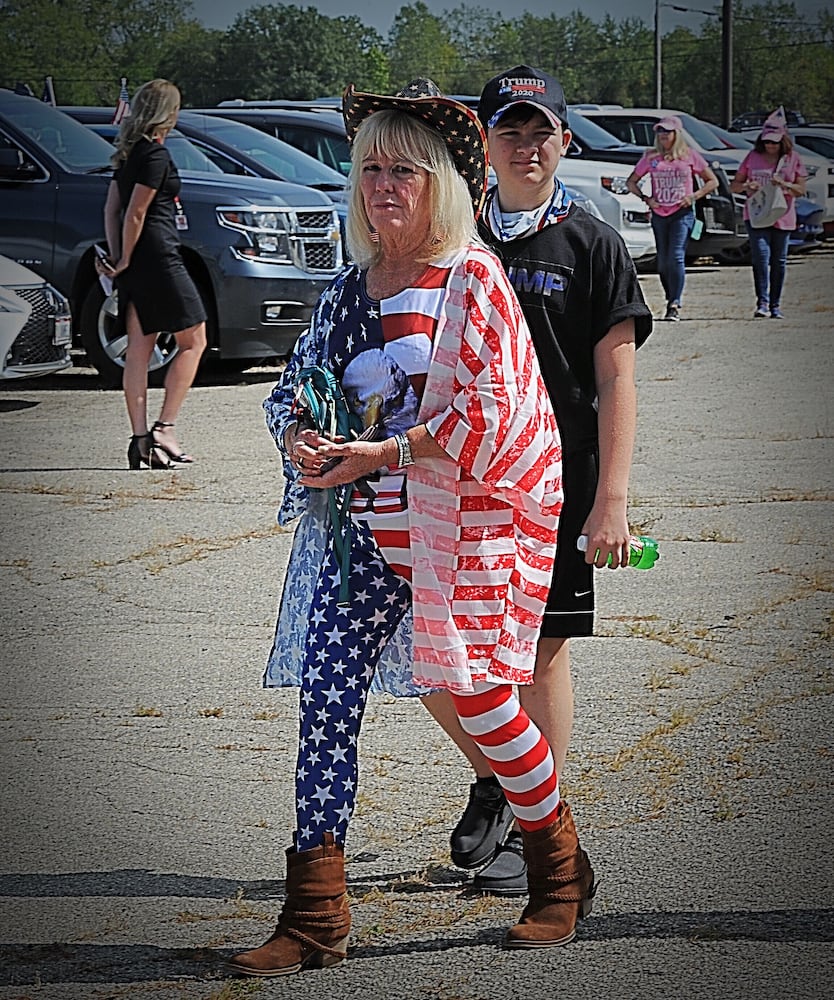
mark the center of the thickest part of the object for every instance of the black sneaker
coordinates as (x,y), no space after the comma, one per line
(672,313)
(483,825)
(506,874)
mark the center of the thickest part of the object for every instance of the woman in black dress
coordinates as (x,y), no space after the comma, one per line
(155,291)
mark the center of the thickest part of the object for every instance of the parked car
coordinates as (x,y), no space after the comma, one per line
(817,138)
(35,324)
(636,125)
(728,139)
(320,130)
(755,119)
(718,212)
(805,237)
(220,145)
(261,156)
(260,251)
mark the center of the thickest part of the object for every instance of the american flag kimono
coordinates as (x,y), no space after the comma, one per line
(483,518)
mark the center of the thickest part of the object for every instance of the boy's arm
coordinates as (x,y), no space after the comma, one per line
(607,523)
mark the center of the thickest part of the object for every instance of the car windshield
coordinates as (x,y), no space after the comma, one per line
(701,133)
(70,143)
(817,144)
(183,152)
(292,164)
(590,134)
(732,140)
(187,156)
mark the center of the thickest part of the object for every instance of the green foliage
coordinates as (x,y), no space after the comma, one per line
(778,58)
(191,57)
(291,52)
(420,45)
(281,51)
(85,45)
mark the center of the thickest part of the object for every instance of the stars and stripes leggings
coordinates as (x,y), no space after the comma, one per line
(342,650)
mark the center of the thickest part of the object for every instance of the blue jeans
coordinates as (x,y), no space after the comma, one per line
(671,233)
(769,254)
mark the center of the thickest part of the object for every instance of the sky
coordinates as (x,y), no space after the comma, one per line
(380,14)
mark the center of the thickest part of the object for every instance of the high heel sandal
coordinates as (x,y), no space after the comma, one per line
(182,458)
(137,455)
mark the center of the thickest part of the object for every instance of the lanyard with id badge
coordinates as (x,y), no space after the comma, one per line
(180,218)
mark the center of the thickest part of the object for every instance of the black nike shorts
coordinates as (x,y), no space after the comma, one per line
(570,604)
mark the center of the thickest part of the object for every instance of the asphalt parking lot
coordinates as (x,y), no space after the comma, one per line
(147,796)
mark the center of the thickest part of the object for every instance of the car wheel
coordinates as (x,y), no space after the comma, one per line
(738,254)
(105,340)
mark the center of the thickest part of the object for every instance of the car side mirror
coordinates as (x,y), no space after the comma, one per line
(15,167)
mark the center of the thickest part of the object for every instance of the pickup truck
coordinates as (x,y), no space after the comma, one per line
(259,250)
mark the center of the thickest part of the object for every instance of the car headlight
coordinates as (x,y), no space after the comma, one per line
(265,234)
(616,185)
(812,170)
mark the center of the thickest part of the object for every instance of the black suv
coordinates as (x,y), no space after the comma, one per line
(260,251)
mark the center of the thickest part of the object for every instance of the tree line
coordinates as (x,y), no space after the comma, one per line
(296,53)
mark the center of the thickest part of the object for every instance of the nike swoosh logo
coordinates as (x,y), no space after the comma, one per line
(581,593)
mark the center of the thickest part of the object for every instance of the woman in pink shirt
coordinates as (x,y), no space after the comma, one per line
(773,160)
(672,166)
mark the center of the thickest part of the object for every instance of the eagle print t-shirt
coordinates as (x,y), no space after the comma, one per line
(380,352)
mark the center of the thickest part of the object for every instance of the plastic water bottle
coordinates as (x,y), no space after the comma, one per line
(644,553)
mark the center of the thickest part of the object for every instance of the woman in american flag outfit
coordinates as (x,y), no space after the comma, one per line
(454,506)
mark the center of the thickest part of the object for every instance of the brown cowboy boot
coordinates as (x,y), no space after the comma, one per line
(313,928)
(561,884)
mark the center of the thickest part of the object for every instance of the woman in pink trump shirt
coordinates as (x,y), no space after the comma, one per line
(773,160)
(672,166)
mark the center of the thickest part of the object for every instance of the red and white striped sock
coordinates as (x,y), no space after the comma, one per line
(518,753)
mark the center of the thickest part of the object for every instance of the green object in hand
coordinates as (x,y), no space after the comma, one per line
(643,555)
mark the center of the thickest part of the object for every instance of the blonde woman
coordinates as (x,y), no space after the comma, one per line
(672,166)
(462,483)
(155,290)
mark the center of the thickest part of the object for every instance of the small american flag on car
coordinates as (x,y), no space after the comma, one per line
(123,104)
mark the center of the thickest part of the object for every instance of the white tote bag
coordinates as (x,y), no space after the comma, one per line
(767,204)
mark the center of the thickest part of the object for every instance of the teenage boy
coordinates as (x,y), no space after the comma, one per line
(578,288)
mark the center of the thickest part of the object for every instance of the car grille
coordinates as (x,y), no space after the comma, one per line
(33,345)
(315,241)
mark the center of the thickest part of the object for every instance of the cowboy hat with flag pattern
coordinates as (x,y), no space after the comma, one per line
(456,124)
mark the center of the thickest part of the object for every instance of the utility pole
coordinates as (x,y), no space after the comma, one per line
(727,63)
(658,71)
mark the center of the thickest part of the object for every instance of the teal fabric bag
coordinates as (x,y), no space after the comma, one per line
(319,394)
(321,404)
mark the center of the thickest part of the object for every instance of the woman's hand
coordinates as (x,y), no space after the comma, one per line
(355,460)
(303,450)
(751,187)
(106,269)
